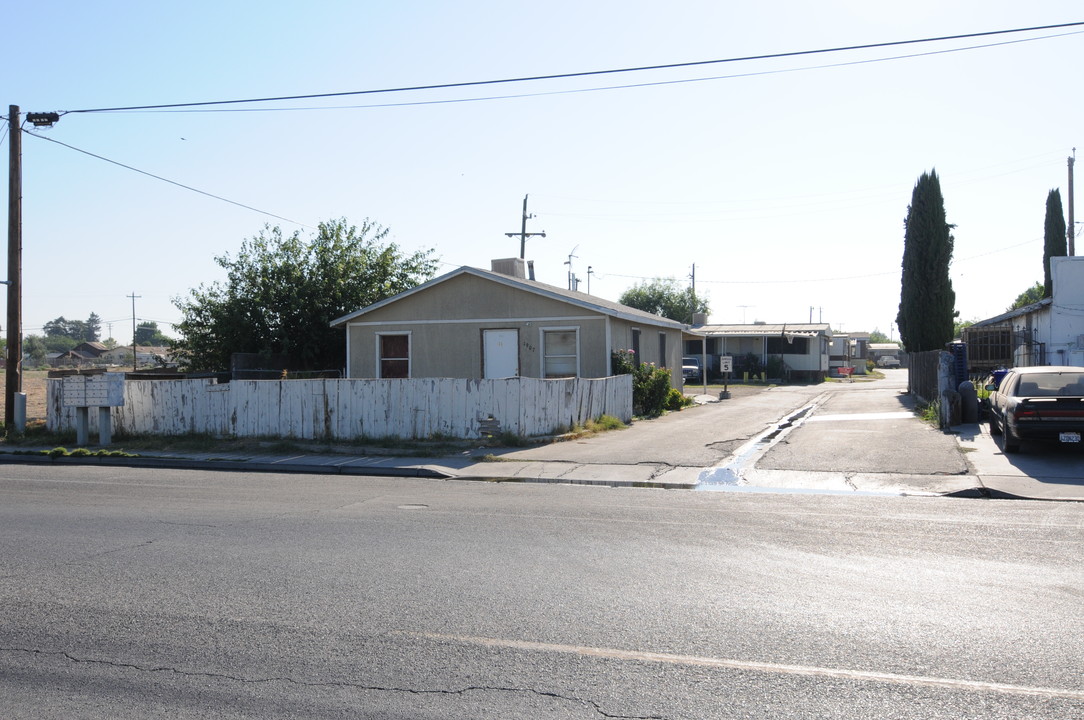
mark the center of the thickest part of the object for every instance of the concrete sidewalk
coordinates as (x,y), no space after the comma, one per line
(685,450)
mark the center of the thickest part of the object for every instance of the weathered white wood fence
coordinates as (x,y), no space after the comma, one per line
(355,409)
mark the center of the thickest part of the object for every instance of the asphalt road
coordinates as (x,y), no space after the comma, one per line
(129,593)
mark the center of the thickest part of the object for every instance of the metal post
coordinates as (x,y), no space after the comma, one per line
(1071,247)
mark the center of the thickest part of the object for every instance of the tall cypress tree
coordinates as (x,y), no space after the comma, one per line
(1055,242)
(927,301)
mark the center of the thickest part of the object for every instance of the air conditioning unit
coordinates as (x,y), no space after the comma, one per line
(513,267)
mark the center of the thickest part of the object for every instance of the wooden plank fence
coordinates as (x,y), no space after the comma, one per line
(350,409)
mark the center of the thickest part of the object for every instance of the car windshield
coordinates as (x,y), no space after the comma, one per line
(1052,384)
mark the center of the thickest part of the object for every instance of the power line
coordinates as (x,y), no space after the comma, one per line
(602,88)
(171,182)
(588,73)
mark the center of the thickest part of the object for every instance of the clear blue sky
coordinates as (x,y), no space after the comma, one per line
(786,182)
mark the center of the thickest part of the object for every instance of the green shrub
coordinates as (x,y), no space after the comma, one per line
(622,362)
(605,422)
(675,400)
(650,387)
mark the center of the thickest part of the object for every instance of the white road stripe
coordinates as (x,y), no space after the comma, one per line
(803,670)
(902,415)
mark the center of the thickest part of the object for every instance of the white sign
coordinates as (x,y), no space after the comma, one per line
(726,363)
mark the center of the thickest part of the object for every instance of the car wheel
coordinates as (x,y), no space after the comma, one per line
(1012,443)
(995,429)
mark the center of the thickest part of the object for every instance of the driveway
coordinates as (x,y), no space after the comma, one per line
(1046,470)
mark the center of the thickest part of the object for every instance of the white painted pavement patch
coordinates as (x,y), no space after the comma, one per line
(900,415)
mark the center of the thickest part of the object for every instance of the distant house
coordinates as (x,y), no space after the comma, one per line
(119,355)
(881,350)
(801,349)
(146,356)
(849,350)
(90,349)
(83,354)
(1049,332)
(474,323)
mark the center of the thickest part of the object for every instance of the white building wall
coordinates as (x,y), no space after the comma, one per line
(1064,334)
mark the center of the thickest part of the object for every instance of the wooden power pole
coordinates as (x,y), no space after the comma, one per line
(13,366)
(1072,221)
(523,234)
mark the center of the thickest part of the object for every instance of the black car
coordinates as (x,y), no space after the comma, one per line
(1045,403)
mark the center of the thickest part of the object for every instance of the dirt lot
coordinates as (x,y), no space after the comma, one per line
(34,387)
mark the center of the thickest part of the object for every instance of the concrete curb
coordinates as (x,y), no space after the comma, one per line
(544,473)
(170,463)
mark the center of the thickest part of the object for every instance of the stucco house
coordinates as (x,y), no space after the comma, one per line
(1049,332)
(474,323)
(802,348)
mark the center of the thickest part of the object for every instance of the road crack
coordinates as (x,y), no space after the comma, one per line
(466,689)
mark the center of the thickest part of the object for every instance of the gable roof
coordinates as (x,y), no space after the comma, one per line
(579,299)
(1011,314)
(761,330)
(95,348)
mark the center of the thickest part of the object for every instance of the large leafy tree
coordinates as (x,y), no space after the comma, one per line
(147,333)
(92,328)
(1033,294)
(34,346)
(78,330)
(665,298)
(879,337)
(927,300)
(1055,242)
(282,292)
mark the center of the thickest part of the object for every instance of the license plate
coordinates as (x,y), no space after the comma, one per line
(1069,437)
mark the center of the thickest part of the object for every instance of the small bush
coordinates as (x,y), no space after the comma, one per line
(606,422)
(931,413)
(623,362)
(650,388)
(675,400)
(508,438)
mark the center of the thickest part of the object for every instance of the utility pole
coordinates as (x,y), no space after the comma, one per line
(13,366)
(590,272)
(572,282)
(692,295)
(1072,223)
(135,362)
(523,234)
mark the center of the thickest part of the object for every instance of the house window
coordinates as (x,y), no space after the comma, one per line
(636,346)
(790,346)
(560,356)
(662,349)
(394,356)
